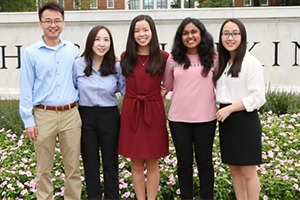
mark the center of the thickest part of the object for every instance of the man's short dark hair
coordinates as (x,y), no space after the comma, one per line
(51,6)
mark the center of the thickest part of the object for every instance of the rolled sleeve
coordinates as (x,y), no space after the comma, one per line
(255,87)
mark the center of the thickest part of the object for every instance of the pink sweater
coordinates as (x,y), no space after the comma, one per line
(193,98)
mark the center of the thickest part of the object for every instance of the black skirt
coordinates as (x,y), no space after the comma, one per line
(240,138)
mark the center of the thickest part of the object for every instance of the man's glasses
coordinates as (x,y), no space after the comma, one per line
(233,34)
(49,22)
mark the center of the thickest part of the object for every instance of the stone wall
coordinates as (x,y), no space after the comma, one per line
(273,37)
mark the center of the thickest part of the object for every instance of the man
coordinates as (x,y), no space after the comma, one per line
(46,87)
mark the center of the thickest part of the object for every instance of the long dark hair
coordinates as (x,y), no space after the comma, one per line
(224,54)
(108,64)
(206,49)
(128,60)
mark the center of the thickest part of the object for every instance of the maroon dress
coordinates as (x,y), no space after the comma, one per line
(143,132)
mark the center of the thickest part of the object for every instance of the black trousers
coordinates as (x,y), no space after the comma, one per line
(100,132)
(190,139)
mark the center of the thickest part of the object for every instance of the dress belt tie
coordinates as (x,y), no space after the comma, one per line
(138,99)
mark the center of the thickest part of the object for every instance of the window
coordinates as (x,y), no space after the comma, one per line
(94,4)
(161,4)
(61,2)
(110,4)
(264,2)
(133,4)
(175,3)
(148,4)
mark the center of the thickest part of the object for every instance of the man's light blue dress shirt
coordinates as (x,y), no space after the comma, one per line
(46,77)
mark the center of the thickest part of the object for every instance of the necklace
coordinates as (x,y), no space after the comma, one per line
(143,63)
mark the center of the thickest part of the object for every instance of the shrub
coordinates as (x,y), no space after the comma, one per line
(281,102)
(9,116)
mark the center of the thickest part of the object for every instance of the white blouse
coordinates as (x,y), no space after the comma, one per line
(248,87)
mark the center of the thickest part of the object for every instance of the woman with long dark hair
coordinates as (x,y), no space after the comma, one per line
(98,77)
(240,92)
(143,135)
(189,75)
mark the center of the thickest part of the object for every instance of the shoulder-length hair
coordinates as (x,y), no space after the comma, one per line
(107,66)
(224,54)
(128,61)
(206,49)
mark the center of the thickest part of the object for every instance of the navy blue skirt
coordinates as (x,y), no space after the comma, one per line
(240,138)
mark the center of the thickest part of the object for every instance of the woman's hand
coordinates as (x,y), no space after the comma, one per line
(223,113)
(163,91)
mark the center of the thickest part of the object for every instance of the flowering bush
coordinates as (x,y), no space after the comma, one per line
(279,175)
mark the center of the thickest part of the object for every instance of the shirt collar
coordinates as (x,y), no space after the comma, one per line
(41,44)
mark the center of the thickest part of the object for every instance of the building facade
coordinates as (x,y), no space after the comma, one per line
(146,4)
(124,4)
(92,4)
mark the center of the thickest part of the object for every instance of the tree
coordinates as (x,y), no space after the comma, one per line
(226,3)
(17,5)
(288,2)
(256,2)
(82,4)
(214,3)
